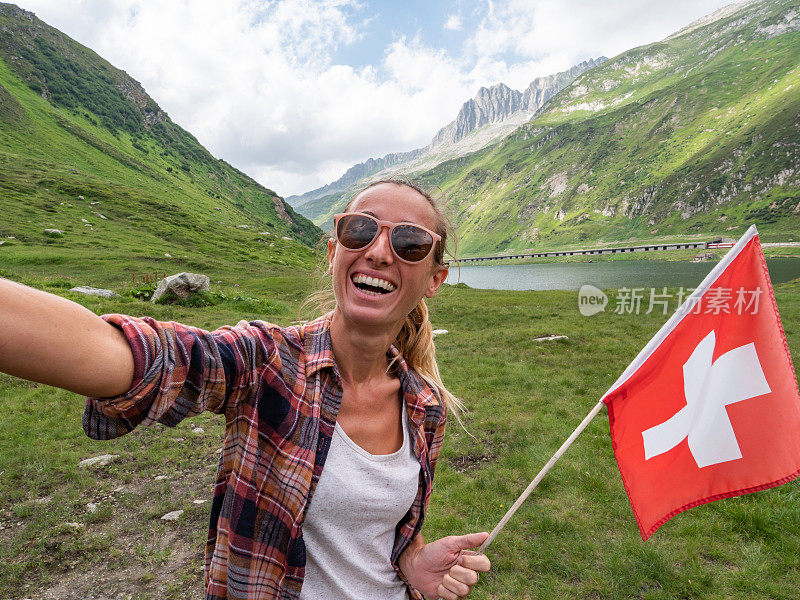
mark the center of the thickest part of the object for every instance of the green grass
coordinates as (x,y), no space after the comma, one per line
(575,537)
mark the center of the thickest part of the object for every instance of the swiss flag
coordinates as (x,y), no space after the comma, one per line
(710,408)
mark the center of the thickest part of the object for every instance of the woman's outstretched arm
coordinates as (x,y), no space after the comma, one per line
(52,340)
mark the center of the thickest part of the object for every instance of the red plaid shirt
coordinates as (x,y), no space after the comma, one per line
(280,390)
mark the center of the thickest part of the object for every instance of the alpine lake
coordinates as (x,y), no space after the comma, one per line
(608,274)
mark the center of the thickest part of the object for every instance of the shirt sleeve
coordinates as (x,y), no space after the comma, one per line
(180,371)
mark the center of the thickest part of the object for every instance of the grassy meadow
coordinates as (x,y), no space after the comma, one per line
(574,538)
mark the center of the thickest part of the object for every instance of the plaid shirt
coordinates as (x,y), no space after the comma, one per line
(280,390)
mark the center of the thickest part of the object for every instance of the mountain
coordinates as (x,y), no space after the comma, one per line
(492,113)
(697,133)
(490,105)
(85,150)
(499,102)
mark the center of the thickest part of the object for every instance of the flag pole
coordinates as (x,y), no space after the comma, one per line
(532,485)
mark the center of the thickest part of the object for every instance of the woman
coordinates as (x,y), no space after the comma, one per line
(337,393)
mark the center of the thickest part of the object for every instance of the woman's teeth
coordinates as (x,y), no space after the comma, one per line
(372,285)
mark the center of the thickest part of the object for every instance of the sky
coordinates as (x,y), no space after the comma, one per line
(294,92)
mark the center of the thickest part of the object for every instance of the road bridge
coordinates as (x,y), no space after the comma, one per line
(704,245)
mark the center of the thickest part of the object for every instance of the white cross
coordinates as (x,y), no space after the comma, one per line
(709,388)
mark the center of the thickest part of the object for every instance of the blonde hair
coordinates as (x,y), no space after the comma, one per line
(415,340)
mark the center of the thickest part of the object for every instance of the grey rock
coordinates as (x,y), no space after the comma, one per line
(550,338)
(92,507)
(198,430)
(439,332)
(172,516)
(98,461)
(182,285)
(54,232)
(90,291)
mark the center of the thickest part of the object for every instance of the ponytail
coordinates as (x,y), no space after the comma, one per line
(415,345)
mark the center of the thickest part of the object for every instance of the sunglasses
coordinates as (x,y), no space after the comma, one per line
(410,243)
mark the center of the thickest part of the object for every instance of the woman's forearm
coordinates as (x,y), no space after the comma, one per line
(52,340)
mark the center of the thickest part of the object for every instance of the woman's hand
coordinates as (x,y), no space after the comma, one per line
(445,568)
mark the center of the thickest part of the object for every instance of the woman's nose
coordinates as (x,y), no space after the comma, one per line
(380,250)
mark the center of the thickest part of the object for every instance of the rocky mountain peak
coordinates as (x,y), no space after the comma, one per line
(542,89)
(498,102)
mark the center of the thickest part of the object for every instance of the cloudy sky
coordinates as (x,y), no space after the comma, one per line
(294,92)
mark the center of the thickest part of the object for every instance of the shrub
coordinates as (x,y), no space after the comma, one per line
(144,290)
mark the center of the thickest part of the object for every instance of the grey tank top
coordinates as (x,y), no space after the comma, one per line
(349,528)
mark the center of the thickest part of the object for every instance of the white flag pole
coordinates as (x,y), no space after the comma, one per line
(532,485)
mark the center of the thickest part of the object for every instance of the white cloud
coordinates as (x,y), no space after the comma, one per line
(453,23)
(546,36)
(256,80)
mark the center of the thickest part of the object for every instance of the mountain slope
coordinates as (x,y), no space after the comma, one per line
(85,150)
(491,114)
(696,133)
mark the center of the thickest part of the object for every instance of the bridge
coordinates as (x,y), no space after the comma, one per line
(596,251)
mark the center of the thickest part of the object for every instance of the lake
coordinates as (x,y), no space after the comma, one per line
(604,274)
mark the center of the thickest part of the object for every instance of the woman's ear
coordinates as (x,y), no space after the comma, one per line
(331,254)
(436,280)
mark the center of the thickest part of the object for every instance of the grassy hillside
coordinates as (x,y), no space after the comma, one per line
(697,133)
(85,150)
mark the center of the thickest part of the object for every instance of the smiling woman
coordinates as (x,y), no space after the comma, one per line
(333,428)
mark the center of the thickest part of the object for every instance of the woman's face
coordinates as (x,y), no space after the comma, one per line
(406,283)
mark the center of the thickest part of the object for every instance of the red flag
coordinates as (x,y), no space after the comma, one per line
(710,407)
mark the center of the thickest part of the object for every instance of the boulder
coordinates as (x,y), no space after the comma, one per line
(54,232)
(439,332)
(90,291)
(181,285)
